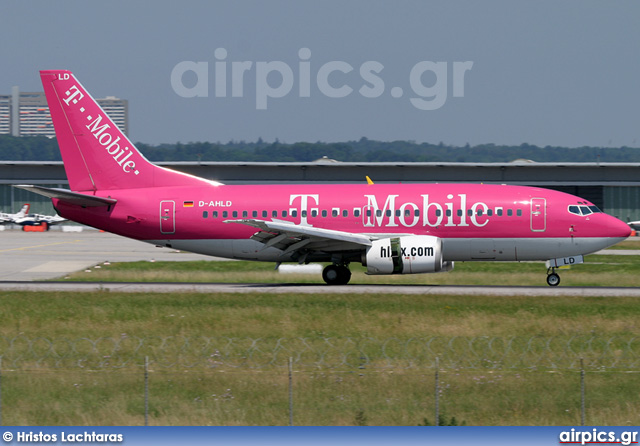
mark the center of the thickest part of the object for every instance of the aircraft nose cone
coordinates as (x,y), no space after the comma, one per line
(618,228)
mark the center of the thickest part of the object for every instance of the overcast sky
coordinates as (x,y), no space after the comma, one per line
(543,72)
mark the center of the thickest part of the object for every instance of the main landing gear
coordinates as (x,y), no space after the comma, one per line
(553,279)
(336,274)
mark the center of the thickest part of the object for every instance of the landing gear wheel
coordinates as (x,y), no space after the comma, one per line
(345,275)
(553,279)
(336,275)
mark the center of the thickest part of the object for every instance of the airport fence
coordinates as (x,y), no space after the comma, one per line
(453,373)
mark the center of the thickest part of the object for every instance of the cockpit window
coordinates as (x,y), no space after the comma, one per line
(583,210)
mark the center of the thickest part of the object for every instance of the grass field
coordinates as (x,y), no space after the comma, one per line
(326,396)
(598,270)
(320,398)
(37,393)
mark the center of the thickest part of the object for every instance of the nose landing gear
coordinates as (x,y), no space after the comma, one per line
(553,279)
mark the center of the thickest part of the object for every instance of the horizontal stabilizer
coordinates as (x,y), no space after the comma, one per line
(69,197)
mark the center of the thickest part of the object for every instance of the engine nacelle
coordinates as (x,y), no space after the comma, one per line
(412,254)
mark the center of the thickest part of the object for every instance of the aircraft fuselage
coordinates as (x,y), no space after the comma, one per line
(475,222)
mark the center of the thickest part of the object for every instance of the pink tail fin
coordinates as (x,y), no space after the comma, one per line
(96,154)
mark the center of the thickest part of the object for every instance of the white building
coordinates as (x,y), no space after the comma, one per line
(32,118)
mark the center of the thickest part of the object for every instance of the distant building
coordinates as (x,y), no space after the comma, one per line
(5,115)
(118,111)
(31,116)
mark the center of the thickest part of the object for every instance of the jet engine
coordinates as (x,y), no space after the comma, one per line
(412,254)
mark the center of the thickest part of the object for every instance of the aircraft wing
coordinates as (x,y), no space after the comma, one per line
(69,196)
(292,238)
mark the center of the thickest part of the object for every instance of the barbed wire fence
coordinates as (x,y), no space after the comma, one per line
(579,353)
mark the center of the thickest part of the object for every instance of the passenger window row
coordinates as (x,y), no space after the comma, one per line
(357,213)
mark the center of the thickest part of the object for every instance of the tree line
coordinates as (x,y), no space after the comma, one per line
(364,150)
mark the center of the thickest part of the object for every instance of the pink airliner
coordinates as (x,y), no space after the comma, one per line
(389,228)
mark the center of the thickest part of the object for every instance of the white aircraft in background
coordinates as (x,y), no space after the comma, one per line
(6,218)
(635,225)
(38,220)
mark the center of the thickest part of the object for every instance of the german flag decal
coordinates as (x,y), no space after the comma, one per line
(187,204)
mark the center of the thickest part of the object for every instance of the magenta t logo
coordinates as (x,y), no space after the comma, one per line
(71,95)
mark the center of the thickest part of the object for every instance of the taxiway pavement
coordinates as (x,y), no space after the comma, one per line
(298,289)
(52,254)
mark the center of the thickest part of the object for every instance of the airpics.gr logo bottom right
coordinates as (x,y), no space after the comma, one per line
(428,81)
(596,436)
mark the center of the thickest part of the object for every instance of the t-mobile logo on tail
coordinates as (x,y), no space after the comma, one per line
(71,95)
(120,154)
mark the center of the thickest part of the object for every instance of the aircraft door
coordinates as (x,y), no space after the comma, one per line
(538,214)
(167,217)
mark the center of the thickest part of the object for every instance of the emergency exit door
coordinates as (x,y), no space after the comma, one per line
(167,217)
(538,214)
